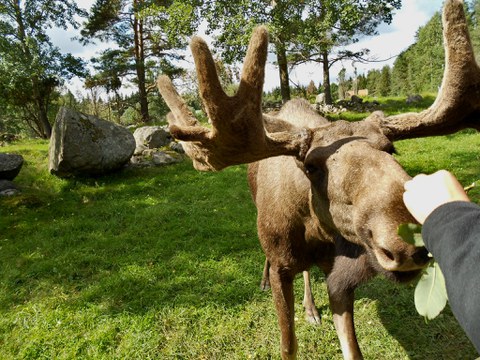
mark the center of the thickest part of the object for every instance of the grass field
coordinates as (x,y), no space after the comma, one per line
(164,263)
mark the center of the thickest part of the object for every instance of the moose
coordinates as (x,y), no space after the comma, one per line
(327,193)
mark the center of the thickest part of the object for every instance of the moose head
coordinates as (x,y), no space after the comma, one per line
(328,194)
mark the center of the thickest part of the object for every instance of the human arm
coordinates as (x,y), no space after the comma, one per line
(451,232)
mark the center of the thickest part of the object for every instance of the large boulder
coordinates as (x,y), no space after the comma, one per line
(10,165)
(151,137)
(85,145)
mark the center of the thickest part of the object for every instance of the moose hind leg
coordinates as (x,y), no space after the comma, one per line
(265,283)
(311,312)
(282,290)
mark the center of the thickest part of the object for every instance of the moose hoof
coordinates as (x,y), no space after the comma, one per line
(312,316)
(265,285)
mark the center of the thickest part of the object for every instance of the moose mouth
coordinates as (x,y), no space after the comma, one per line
(400,262)
(387,265)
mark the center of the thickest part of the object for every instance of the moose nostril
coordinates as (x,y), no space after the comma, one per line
(421,256)
(388,254)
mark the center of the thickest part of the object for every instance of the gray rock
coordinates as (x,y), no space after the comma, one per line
(9,192)
(84,145)
(177,147)
(8,188)
(320,99)
(155,157)
(10,165)
(162,158)
(151,137)
(412,99)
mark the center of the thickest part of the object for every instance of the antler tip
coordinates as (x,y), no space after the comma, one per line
(260,33)
(163,81)
(197,42)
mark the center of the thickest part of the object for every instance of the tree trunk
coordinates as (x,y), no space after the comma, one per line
(140,67)
(44,124)
(326,79)
(44,127)
(283,70)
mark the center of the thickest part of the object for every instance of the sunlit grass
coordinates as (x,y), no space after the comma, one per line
(389,106)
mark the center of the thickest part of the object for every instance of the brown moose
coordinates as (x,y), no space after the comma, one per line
(327,194)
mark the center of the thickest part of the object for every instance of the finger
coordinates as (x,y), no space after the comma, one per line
(413,183)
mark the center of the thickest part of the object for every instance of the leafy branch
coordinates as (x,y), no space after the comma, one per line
(430,292)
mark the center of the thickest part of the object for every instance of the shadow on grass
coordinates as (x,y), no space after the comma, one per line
(147,240)
(421,340)
(133,242)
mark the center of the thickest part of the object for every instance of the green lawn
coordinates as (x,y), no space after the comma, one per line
(164,263)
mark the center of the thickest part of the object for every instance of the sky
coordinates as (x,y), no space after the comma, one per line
(393,39)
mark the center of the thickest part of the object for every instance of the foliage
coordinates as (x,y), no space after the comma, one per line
(300,31)
(473,12)
(233,22)
(419,69)
(384,83)
(31,68)
(423,62)
(148,35)
(330,25)
(430,292)
(401,86)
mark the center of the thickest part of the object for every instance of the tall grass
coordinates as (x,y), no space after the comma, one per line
(164,263)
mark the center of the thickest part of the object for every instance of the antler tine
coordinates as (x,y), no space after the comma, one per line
(182,123)
(253,72)
(457,105)
(240,133)
(210,89)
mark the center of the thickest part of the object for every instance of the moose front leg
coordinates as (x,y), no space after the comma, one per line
(350,268)
(281,283)
(341,304)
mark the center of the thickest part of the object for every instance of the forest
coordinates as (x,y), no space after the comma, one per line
(150,38)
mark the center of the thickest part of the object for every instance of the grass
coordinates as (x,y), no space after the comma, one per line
(390,106)
(164,263)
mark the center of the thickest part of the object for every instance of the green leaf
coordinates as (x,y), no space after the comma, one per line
(411,233)
(431,293)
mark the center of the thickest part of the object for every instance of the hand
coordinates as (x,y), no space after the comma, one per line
(424,193)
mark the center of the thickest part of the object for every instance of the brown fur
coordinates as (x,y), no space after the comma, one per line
(315,212)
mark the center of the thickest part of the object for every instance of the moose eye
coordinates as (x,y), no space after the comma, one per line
(311,169)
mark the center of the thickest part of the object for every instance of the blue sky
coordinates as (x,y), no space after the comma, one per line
(393,39)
